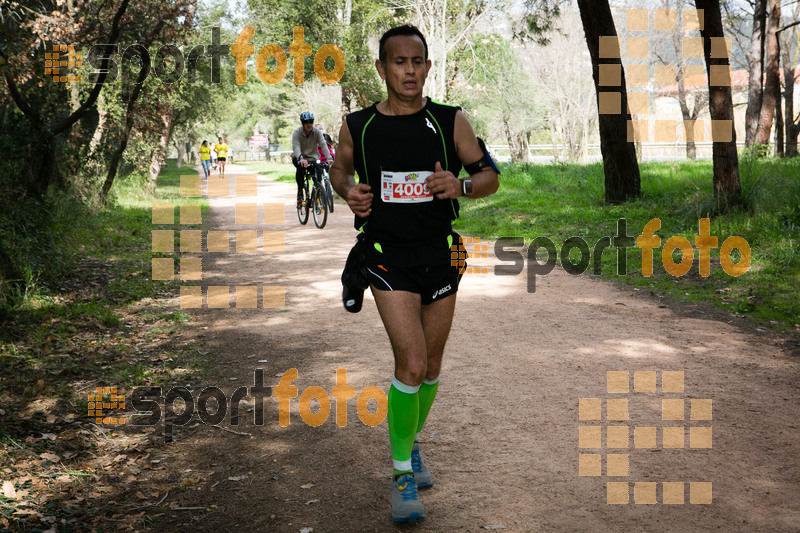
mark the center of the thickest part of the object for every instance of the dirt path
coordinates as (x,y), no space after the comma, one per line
(502,440)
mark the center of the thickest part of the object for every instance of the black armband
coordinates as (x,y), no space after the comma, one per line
(483,162)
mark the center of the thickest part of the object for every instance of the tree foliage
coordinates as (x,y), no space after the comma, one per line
(495,88)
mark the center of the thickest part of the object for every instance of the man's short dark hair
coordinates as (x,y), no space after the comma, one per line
(406,29)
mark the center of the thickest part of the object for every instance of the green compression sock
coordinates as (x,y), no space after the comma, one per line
(427,393)
(403,415)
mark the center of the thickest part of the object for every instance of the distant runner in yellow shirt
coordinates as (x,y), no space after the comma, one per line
(205,159)
(222,152)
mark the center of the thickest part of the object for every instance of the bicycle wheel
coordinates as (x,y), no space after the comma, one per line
(329,192)
(319,206)
(302,208)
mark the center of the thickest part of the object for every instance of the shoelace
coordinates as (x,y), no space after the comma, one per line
(416,461)
(410,490)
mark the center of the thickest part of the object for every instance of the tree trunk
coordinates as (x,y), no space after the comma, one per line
(346,99)
(792,129)
(97,136)
(163,144)
(727,189)
(191,141)
(754,94)
(513,143)
(772,83)
(778,112)
(524,153)
(688,130)
(553,140)
(620,167)
(180,149)
(585,139)
(113,165)
(42,170)
(42,164)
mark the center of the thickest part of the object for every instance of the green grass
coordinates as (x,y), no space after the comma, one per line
(94,318)
(562,201)
(87,308)
(278,171)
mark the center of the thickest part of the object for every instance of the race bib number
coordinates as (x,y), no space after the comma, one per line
(405,187)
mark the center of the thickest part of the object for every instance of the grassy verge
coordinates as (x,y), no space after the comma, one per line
(101,322)
(278,171)
(563,201)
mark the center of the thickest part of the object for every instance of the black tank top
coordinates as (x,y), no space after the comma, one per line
(405,144)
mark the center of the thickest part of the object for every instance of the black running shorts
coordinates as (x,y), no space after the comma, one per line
(430,282)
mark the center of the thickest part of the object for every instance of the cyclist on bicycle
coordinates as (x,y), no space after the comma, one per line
(305,141)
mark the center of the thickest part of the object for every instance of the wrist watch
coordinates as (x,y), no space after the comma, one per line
(466,187)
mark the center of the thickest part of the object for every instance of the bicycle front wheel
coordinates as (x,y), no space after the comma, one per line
(319,206)
(329,192)
(302,206)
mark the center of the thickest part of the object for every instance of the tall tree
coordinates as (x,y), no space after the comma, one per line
(772,83)
(43,103)
(756,68)
(791,124)
(358,21)
(727,189)
(161,29)
(674,56)
(621,170)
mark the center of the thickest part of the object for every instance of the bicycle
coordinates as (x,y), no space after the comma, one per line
(316,201)
(326,182)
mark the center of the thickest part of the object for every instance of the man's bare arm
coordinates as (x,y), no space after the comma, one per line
(358,197)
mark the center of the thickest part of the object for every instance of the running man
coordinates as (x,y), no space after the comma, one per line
(305,141)
(222,151)
(408,152)
(205,158)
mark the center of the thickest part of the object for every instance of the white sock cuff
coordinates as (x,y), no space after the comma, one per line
(402,466)
(402,387)
(431,381)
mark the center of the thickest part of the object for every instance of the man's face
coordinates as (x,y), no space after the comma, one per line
(406,68)
(308,126)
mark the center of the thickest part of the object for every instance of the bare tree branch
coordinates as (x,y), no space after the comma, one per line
(98,86)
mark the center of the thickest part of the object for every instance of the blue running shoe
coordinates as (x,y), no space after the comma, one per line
(421,472)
